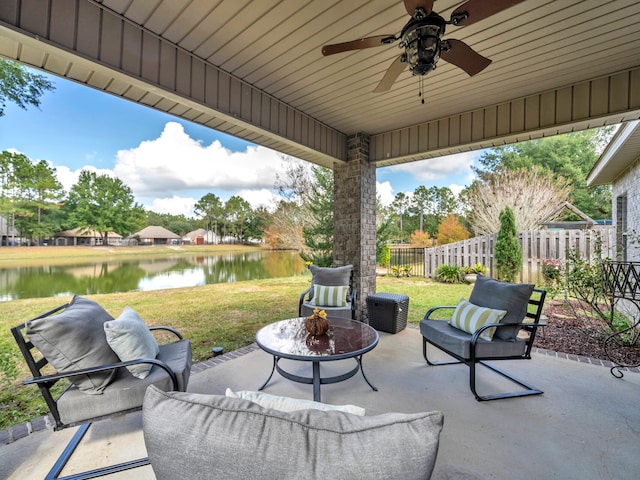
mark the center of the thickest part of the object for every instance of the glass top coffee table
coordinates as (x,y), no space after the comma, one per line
(290,340)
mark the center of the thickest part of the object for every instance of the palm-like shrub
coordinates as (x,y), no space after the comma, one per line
(450,274)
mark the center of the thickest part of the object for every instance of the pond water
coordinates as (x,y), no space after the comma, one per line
(143,274)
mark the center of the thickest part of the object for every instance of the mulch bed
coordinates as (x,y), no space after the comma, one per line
(567,333)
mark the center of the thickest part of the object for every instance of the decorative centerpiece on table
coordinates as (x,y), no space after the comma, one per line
(317,323)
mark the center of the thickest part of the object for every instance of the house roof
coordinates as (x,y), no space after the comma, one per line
(551,219)
(255,69)
(200,232)
(621,152)
(81,232)
(156,232)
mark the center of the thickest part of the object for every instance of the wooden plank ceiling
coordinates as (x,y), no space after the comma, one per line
(274,46)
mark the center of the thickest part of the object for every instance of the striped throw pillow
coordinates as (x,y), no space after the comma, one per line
(330,296)
(469,317)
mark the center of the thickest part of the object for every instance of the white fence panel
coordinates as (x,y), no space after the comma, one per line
(537,245)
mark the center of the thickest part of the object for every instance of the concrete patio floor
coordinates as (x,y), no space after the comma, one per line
(585,426)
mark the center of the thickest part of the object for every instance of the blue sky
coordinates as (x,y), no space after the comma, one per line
(170,163)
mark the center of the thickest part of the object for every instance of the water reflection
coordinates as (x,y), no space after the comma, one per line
(145,274)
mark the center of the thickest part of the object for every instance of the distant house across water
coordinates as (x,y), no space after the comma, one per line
(80,236)
(8,234)
(156,235)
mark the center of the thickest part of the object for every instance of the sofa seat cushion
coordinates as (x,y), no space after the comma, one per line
(440,333)
(74,339)
(126,392)
(198,436)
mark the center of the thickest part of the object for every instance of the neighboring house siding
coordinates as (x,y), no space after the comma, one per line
(628,185)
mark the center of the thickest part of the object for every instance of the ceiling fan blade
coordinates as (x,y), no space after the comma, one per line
(358,44)
(475,10)
(394,70)
(411,6)
(462,55)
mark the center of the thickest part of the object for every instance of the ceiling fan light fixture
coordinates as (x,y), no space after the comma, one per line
(422,46)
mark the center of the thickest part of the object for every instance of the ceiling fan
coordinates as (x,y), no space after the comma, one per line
(421,39)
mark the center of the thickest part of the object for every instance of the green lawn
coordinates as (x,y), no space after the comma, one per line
(226,315)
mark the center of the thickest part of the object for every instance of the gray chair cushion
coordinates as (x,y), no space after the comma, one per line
(331,276)
(126,391)
(512,297)
(198,436)
(75,339)
(332,312)
(443,335)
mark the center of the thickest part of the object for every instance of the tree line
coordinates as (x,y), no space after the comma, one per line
(33,203)
(531,178)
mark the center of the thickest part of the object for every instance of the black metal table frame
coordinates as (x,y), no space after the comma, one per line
(316,379)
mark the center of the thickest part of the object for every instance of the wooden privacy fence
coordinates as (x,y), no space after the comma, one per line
(537,245)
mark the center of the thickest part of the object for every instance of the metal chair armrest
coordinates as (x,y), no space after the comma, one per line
(478,332)
(302,295)
(434,309)
(102,368)
(168,329)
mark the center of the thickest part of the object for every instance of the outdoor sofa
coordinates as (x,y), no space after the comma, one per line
(256,435)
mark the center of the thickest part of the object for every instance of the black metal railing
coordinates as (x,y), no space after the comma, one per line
(407,261)
(621,283)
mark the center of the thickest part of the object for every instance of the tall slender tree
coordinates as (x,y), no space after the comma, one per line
(210,208)
(239,214)
(399,206)
(318,231)
(508,253)
(41,198)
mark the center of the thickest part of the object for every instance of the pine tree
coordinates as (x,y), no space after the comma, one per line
(318,230)
(508,253)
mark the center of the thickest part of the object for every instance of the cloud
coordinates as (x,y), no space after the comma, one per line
(384,192)
(172,205)
(456,189)
(68,178)
(440,167)
(174,163)
(171,173)
(260,198)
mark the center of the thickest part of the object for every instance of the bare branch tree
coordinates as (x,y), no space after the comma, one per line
(285,227)
(294,184)
(532,194)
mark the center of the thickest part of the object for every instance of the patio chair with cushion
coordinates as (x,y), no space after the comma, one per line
(108,362)
(498,322)
(331,290)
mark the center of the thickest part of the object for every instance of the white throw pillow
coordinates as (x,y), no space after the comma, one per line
(469,317)
(130,339)
(330,295)
(287,404)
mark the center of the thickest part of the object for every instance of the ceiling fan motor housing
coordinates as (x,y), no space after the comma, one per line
(421,40)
